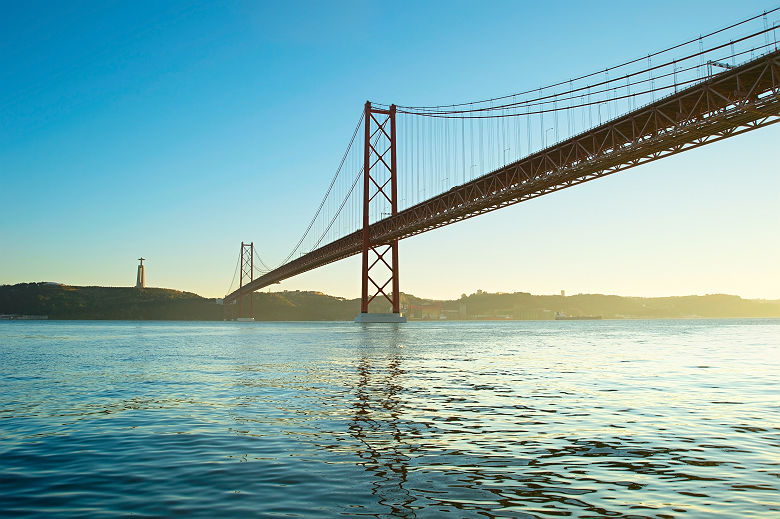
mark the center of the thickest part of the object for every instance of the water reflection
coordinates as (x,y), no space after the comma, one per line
(375,426)
(484,439)
(614,419)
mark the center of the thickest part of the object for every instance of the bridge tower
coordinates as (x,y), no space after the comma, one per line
(380,175)
(246,271)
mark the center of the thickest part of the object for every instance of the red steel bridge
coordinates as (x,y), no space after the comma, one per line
(408,170)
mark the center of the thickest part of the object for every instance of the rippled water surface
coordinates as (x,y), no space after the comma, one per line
(517,419)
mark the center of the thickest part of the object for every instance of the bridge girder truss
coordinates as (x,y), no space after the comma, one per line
(730,103)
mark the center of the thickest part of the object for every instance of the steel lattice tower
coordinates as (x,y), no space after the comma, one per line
(247,271)
(380,179)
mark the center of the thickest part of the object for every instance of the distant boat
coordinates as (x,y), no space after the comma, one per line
(560,316)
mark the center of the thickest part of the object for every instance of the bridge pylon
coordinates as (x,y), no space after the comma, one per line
(246,271)
(380,185)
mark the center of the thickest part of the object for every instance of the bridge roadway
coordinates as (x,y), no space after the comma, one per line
(726,104)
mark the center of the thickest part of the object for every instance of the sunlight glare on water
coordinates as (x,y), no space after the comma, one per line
(675,418)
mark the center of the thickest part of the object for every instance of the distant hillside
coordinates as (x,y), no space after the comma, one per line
(69,302)
(522,305)
(299,306)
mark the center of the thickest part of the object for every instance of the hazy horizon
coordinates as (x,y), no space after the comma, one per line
(420,296)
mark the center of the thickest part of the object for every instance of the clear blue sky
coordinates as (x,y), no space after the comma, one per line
(175,130)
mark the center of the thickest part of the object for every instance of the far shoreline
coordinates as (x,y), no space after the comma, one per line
(59,302)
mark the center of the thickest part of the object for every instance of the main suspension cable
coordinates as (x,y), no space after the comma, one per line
(469,114)
(324,199)
(230,288)
(558,97)
(592,74)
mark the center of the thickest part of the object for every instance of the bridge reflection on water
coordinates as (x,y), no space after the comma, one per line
(477,424)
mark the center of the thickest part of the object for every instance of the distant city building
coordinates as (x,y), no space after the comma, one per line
(427,312)
(140,281)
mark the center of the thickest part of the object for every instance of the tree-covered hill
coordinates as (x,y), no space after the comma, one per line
(71,302)
(522,305)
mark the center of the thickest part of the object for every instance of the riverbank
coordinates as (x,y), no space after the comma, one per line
(58,301)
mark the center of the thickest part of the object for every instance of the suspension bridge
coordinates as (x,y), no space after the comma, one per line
(411,169)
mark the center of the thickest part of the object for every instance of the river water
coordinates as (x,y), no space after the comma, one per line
(677,418)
